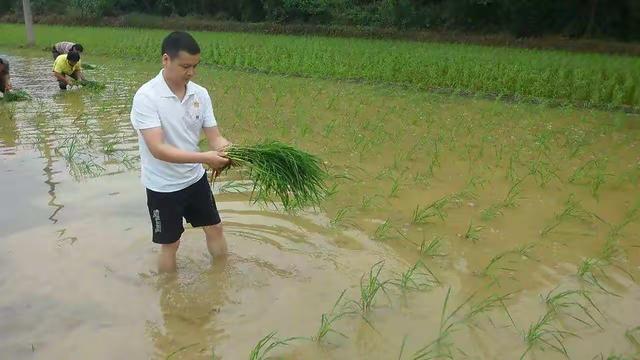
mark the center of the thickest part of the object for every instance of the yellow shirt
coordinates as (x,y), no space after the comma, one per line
(62,66)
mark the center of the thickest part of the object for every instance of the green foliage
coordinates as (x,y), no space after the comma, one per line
(586,79)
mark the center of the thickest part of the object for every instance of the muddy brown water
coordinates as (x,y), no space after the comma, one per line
(77,267)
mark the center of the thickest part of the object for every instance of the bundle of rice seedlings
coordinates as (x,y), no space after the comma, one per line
(88,66)
(16,95)
(278,170)
(90,84)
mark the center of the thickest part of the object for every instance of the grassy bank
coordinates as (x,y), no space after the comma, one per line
(583,79)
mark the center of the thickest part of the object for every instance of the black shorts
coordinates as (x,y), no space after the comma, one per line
(195,203)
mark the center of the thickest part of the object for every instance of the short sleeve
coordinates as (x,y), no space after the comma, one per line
(143,113)
(57,65)
(209,118)
(77,66)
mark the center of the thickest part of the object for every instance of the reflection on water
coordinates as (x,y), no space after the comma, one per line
(77,266)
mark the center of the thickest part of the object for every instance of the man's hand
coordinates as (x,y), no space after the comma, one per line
(216,159)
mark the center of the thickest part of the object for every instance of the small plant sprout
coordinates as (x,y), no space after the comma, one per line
(591,270)
(432,248)
(436,209)
(419,277)
(544,334)
(371,284)
(575,304)
(633,335)
(473,232)
(497,263)
(383,231)
(342,217)
(327,320)
(268,344)
(572,210)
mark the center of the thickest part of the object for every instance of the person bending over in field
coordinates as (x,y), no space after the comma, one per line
(65,47)
(67,66)
(169,113)
(5,80)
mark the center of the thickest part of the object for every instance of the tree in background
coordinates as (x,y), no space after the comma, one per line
(28,22)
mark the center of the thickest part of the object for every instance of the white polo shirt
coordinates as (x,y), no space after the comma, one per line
(155,105)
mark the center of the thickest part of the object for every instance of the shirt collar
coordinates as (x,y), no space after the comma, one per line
(165,91)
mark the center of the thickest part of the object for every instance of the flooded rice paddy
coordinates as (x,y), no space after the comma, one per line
(455,228)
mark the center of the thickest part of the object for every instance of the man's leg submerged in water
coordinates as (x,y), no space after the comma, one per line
(216,243)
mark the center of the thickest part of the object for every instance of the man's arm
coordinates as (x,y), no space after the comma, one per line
(79,74)
(61,77)
(154,138)
(215,139)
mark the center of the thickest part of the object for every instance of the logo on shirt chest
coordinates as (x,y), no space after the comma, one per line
(193,114)
(196,108)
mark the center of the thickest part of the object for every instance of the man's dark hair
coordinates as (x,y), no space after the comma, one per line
(77,47)
(179,41)
(73,56)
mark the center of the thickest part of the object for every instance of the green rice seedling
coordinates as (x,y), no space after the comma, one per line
(234,186)
(545,335)
(583,171)
(569,301)
(109,147)
(383,231)
(630,216)
(329,127)
(268,344)
(572,210)
(441,347)
(436,209)
(327,320)
(493,263)
(331,191)
(473,232)
(591,270)
(614,357)
(436,349)
(487,305)
(543,171)
(371,285)
(295,177)
(16,95)
(86,66)
(432,248)
(509,201)
(368,201)
(342,217)
(90,84)
(395,187)
(415,279)
(512,173)
(491,212)
(633,335)
(593,172)
(422,178)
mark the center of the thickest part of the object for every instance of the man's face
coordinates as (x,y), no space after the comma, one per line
(182,68)
(72,63)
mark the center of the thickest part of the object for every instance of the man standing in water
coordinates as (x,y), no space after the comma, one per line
(5,80)
(169,113)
